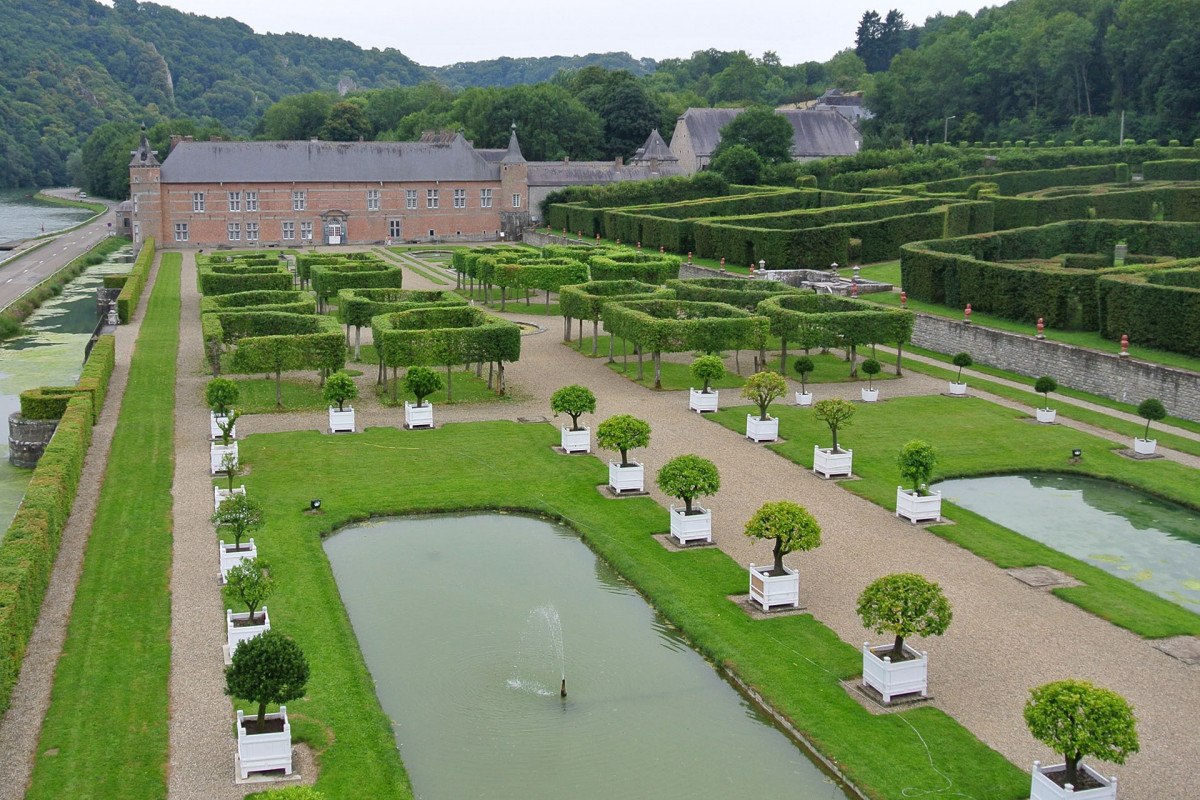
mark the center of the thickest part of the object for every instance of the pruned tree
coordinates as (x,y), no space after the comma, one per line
(904,604)
(789,524)
(1077,719)
(270,668)
(688,477)
(623,433)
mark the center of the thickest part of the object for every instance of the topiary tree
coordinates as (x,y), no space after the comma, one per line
(763,388)
(803,365)
(1044,386)
(250,584)
(339,388)
(230,468)
(239,515)
(573,400)
(835,413)
(623,432)
(270,668)
(1078,719)
(688,477)
(789,524)
(708,369)
(225,425)
(422,382)
(917,460)
(961,360)
(1151,409)
(904,604)
(221,395)
(872,368)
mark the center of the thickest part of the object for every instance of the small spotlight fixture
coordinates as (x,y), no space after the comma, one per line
(315,504)
(1076,453)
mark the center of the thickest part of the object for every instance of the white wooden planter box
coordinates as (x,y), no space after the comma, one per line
(958,388)
(217,453)
(258,752)
(691,527)
(236,635)
(700,401)
(418,416)
(828,463)
(774,590)
(579,441)
(1046,415)
(1042,788)
(917,508)
(627,479)
(804,398)
(341,421)
(762,430)
(870,395)
(1145,447)
(221,495)
(904,677)
(231,558)
(214,427)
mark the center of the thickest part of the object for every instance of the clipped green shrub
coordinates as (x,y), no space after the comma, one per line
(131,292)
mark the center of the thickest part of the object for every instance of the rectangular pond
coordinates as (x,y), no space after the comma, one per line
(468,625)
(1154,543)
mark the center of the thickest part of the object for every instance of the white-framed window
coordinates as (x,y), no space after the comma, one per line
(234,230)
(251,231)
(197,202)
(252,201)
(289,230)
(135,204)
(431,198)
(516,201)
(181,231)
(299,200)
(394,228)
(235,201)
(372,199)
(410,198)
(485,198)
(460,198)
(306,231)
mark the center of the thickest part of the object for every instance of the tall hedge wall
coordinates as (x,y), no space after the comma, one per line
(286,301)
(1172,170)
(229,280)
(1169,203)
(273,342)
(587,300)
(674,326)
(1166,317)
(131,292)
(444,337)
(358,306)
(328,279)
(744,293)
(821,320)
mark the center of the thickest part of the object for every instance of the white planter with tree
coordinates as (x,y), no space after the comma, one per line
(803,365)
(1077,719)
(705,369)
(339,390)
(1044,386)
(268,670)
(871,368)
(763,388)
(792,528)
(688,477)
(903,604)
(221,395)
(960,360)
(623,433)
(420,382)
(239,515)
(917,460)
(1151,410)
(221,495)
(831,461)
(218,452)
(249,584)
(574,401)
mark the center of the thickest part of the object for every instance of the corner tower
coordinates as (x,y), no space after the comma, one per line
(145,192)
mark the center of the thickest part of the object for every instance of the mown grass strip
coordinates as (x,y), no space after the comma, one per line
(105,734)
(795,662)
(394,252)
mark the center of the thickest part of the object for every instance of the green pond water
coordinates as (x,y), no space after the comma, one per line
(468,623)
(1151,542)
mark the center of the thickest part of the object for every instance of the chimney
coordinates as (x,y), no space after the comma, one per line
(314,139)
(188,139)
(175,139)
(214,138)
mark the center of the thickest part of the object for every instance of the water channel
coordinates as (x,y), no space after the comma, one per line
(1154,543)
(468,623)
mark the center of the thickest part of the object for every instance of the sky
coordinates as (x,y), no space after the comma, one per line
(436,34)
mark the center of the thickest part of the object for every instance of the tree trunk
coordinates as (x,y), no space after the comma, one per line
(447,383)
(778,570)
(899,355)
(279,388)
(567,329)
(595,336)
(687,505)
(853,361)
(638,349)
(491,366)
(500,370)
(898,649)
(657,369)
(503,296)
(357,342)
(395,385)
(783,358)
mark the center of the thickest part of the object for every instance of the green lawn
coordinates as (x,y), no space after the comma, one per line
(105,734)
(794,662)
(885,272)
(974,437)
(258,395)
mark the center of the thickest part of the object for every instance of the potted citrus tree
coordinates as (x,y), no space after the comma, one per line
(1044,386)
(871,368)
(792,528)
(250,584)
(688,477)
(960,360)
(831,461)
(803,365)
(623,433)
(705,369)
(904,604)
(1151,409)
(269,669)
(421,382)
(339,390)
(574,401)
(1078,719)
(230,468)
(239,515)
(916,461)
(225,445)
(763,388)
(221,395)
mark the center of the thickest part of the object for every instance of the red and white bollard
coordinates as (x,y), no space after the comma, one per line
(597,237)
(661,249)
(854,290)
(1124,345)
(967,314)
(722,265)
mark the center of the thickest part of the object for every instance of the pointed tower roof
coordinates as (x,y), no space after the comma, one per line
(143,156)
(513,154)
(655,149)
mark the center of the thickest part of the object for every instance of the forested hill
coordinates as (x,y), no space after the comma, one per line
(516,71)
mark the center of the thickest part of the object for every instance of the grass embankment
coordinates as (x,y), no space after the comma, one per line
(973,438)
(105,734)
(793,661)
(393,252)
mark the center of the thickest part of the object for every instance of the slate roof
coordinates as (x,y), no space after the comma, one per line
(591,173)
(143,156)
(654,148)
(818,132)
(513,154)
(704,127)
(274,162)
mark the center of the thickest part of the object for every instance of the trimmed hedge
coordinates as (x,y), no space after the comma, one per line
(1172,170)
(357,307)
(286,301)
(131,291)
(48,402)
(587,300)
(218,279)
(328,279)
(98,371)
(268,341)
(744,293)
(1170,203)
(656,271)
(1156,309)
(822,320)
(675,326)
(444,337)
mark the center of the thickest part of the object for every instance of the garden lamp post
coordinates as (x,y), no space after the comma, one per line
(946,128)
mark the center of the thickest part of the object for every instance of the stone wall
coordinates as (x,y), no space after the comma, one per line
(1105,374)
(27,439)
